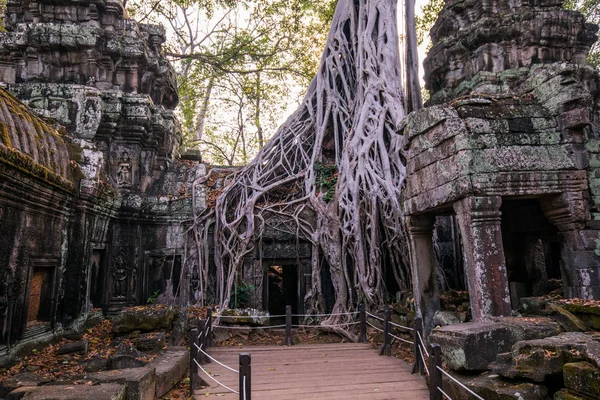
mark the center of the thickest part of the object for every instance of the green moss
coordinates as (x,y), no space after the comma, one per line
(4,135)
(327,176)
(27,165)
(45,138)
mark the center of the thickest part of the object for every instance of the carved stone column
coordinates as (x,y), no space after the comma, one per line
(425,288)
(485,266)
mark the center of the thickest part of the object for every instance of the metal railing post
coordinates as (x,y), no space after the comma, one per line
(209,342)
(245,377)
(436,379)
(363,324)
(194,377)
(386,349)
(288,326)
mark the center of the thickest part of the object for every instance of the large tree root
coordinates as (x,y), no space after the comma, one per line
(349,119)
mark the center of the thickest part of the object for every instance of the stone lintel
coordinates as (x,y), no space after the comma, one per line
(530,183)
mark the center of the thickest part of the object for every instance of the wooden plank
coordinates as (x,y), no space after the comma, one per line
(332,371)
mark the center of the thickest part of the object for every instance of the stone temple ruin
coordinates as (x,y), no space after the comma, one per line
(95,197)
(92,210)
(508,145)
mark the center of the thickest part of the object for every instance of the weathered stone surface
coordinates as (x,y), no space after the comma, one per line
(171,367)
(533,305)
(126,357)
(444,318)
(151,341)
(582,378)
(588,311)
(104,391)
(565,394)
(507,128)
(472,346)
(24,379)
(568,321)
(542,359)
(113,161)
(95,364)
(221,335)
(247,316)
(143,319)
(140,382)
(473,43)
(75,347)
(492,387)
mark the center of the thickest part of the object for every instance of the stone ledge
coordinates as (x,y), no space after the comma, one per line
(105,391)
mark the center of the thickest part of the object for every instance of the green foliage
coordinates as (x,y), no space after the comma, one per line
(239,65)
(428,17)
(241,295)
(153,297)
(2,13)
(327,176)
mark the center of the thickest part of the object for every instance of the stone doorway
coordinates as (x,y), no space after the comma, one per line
(97,281)
(40,294)
(282,288)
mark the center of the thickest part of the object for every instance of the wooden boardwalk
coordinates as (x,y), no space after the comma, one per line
(329,371)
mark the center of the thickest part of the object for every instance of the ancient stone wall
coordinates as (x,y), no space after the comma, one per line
(122,216)
(37,185)
(512,124)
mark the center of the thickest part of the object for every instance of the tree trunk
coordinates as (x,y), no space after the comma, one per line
(204,109)
(350,119)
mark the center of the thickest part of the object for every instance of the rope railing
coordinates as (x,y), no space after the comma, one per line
(214,379)
(427,362)
(247,316)
(288,326)
(422,343)
(374,327)
(248,327)
(424,363)
(459,383)
(201,341)
(444,393)
(326,315)
(401,326)
(430,363)
(219,362)
(374,316)
(400,339)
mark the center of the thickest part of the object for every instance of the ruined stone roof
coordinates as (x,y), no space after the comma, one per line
(31,145)
(475,43)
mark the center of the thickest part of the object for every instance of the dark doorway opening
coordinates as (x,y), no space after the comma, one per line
(327,287)
(283,289)
(97,279)
(531,249)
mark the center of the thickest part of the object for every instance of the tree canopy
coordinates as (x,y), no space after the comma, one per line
(240,65)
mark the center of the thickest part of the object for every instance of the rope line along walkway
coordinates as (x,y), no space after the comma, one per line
(328,371)
(338,371)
